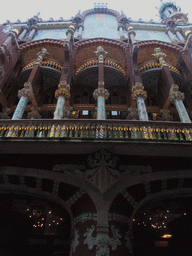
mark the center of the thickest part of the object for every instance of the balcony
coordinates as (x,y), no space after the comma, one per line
(83,136)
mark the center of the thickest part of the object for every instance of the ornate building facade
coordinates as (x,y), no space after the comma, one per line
(95,135)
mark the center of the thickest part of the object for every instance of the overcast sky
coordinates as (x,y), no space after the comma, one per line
(24,9)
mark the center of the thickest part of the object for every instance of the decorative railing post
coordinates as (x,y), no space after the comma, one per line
(61,94)
(25,95)
(177,98)
(140,95)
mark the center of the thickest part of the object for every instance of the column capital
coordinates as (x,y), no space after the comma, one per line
(159,55)
(26,92)
(101,92)
(138,91)
(175,94)
(63,91)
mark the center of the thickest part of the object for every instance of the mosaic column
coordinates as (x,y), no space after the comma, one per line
(32,32)
(171,35)
(177,31)
(140,95)
(61,94)
(25,95)
(101,95)
(23,34)
(177,98)
(70,33)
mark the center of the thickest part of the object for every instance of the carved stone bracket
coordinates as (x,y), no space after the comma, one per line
(102,241)
(26,92)
(101,92)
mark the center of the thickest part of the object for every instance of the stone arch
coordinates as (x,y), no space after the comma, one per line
(142,189)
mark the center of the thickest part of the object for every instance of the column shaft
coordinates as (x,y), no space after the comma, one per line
(101,108)
(184,117)
(142,109)
(58,114)
(20,108)
(179,36)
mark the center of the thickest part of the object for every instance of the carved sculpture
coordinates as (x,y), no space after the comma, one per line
(75,242)
(159,55)
(102,241)
(41,54)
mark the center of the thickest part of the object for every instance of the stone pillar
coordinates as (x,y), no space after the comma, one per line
(22,35)
(70,33)
(61,94)
(171,35)
(177,98)
(140,95)
(131,34)
(25,95)
(101,95)
(32,32)
(177,31)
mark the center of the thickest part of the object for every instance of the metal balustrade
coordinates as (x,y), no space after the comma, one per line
(95,129)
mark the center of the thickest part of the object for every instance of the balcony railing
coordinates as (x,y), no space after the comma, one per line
(95,129)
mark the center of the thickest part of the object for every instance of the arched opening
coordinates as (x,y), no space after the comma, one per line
(33,226)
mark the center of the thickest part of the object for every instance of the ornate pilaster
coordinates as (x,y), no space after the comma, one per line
(140,95)
(61,95)
(80,31)
(121,28)
(159,55)
(101,95)
(25,95)
(177,98)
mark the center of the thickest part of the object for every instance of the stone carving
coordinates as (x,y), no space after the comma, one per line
(100,51)
(41,55)
(75,242)
(102,241)
(5,113)
(138,91)
(176,94)
(67,113)
(63,91)
(159,55)
(132,114)
(2,71)
(101,92)
(26,92)
(166,115)
(34,113)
